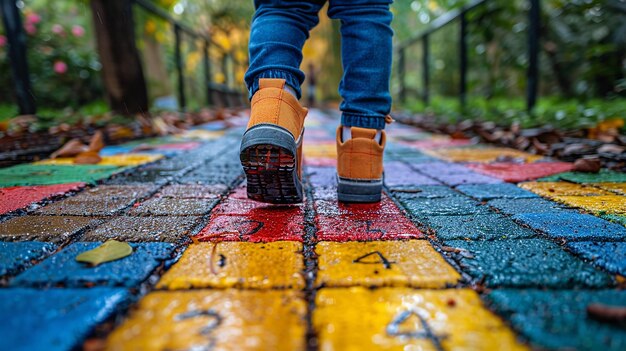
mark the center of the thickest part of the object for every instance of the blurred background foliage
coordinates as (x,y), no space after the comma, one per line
(583,57)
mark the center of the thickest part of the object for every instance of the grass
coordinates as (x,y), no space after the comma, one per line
(563,114)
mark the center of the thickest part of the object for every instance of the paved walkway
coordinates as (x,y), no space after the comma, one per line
(473,247)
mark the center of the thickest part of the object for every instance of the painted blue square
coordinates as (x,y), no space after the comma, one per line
(54,319)
(445,206)
(495,191)
(467,178)
(477,227)
(558,320)
(62,268)
(425,191)
(609,255)
(527,263)
(16,255)
(112,150)
(573,225)
(531,205)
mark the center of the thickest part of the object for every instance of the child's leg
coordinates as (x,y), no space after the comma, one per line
(366,55)
(271,147)
(279,30)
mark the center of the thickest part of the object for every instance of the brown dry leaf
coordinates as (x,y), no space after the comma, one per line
(458,135)
(540,147)
(606,313)
(87,158)
(606,129)
(70,149)
(97,142)
(590,165)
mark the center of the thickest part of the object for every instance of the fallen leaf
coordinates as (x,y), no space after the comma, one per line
(70,149)
(87,158)
(97,142)
(590,165)
(605,313)
(109,251)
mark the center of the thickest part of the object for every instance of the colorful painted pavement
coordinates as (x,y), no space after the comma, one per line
(472,247)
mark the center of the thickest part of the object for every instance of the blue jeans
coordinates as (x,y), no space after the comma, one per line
(280,28)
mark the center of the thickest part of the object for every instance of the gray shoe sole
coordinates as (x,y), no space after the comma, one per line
(268,155)
(352,190)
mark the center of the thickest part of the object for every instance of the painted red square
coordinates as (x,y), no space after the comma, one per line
(357,210)
(352,228)
(257,225)
(363,222)
(237,206)
(14,198)
(519,172)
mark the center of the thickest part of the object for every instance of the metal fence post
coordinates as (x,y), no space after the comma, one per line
(207,74)
(463,61)
(17,56)
(532,77)
(401,75)
(425,69)
(182,101)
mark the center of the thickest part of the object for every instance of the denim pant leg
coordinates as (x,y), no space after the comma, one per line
(279,30)
(366,56)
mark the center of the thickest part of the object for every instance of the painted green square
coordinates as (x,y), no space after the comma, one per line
(534,263)
(581,177)
(54,174)
(554,320)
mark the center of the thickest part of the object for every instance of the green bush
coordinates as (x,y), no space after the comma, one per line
(62,60)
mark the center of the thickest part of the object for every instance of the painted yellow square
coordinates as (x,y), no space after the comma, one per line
(383,263)
(320,150)
(480,155)
(617,188)
(606,204)
(552,189)
(277,264)
(398,319)
(114,160)
(214,320)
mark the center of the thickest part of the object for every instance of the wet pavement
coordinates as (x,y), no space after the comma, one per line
(472,247)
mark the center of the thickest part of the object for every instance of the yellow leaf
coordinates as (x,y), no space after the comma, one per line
(109,251)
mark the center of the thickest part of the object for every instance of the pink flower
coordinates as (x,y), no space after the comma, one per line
(78,31)
(30,28)
(33,18)
(60,67)
(3,41)
(57,29)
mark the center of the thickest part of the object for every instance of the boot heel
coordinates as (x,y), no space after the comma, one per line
(268,155)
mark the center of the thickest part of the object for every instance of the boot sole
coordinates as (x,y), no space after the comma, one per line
(353,190)
(268,155)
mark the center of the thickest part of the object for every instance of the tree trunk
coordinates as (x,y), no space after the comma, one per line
(122,73)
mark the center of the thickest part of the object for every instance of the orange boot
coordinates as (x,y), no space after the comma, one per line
(271,148)
(360,166)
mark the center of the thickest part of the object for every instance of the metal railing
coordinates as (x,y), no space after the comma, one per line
(221,94)
(226,95)
(532,72)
